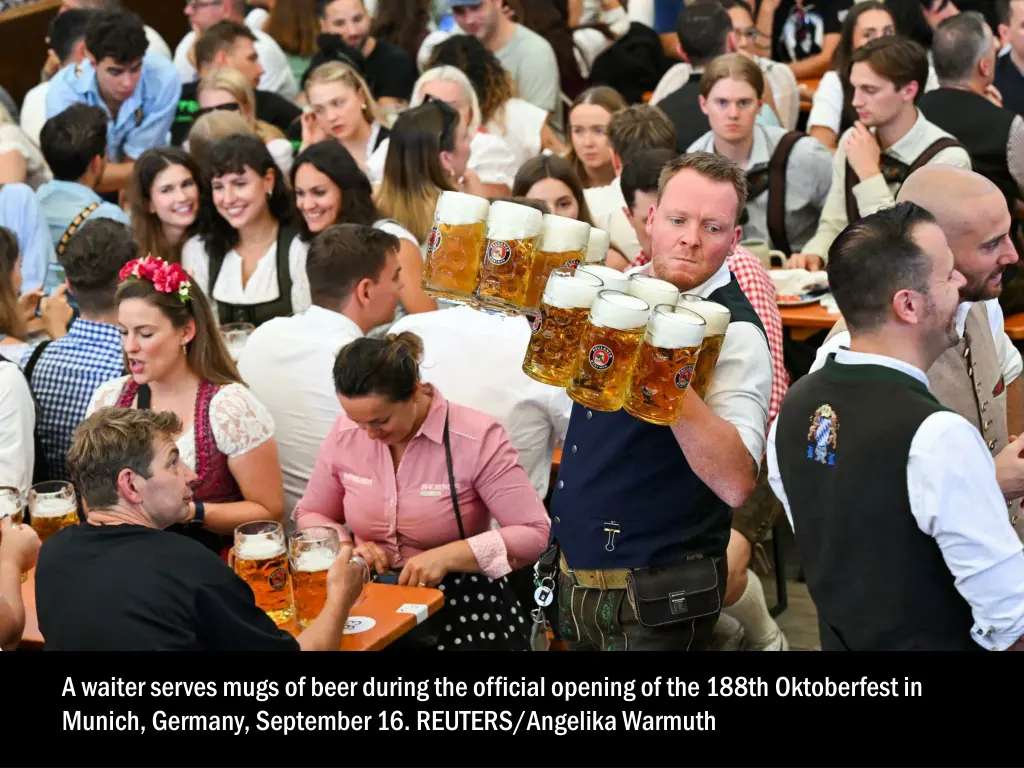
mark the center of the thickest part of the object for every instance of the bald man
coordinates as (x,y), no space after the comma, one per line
(980,377)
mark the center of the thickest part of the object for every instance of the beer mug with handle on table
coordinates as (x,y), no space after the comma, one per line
(717,318)
(512,234)
(52,506)
(563,243)
(455,246)
(260,558)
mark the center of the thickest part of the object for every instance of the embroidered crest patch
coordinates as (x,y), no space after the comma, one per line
(823,435)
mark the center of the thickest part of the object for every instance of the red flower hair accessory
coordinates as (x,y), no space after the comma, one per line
(165,277)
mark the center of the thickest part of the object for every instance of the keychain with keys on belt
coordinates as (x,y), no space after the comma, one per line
(544,595)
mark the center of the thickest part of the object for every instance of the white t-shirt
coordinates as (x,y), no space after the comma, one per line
(17,423)
(157,44)
(240,422)
(262,285)
(33,111)
(490,157)
(277,73)
(827,107)
(521,124)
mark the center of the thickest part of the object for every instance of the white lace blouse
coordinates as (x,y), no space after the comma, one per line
(239,421)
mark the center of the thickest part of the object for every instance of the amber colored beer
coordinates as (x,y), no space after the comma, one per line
(559,327)
(52,507)
(513,231)
(563,243)
(717,318)
(611,340)
(455,246)
(262,563)
(309,583)
(665,365)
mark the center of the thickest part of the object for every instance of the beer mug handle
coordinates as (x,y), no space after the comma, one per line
(231,558)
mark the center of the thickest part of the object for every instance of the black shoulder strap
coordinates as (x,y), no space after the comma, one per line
(285,236)
(216,261)
(36,354)
(777,190)
(451,477)
(144,398)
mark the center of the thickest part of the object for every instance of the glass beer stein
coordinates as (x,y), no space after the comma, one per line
(512,234)
(597,248)
(613,279)
(652,290)
(563,243)
(52,507)
(717,317)
(665,365)
(611,340)
(311,552)
(557,330)
(455,247)
(261,560)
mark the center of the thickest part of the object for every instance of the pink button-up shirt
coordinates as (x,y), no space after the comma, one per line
(410,511)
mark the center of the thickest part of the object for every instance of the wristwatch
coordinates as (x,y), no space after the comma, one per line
(199,519)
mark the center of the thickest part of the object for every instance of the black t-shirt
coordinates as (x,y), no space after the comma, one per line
(270,108)
(799,32)
(390,72)
(683,109)
(131,588)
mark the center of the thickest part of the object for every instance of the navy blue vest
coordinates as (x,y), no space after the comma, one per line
(626,496)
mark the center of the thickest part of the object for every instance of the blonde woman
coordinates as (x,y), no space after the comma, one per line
(229,90)
(212,128)
(492,164)
(343,109)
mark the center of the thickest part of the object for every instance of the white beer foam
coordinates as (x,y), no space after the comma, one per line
(566,292)
(43,507)
(511,221)
(8,506)
(314,560)
(612,278)
(258,548)
(560,234)
(459,209)
(652,290)
(715,315)
(675,330)
(619,311)
(597,248)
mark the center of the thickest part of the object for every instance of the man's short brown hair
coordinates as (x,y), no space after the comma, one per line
(735,66)
(711,166)
(113,439)
(221,36)
(640,126)
(897,59)
(343,255)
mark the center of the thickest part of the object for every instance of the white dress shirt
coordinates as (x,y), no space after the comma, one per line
(288,363)
(1010,363)
(476,359)
(954,497)
(17,426)
(606,204)
(277,73)
(262,285)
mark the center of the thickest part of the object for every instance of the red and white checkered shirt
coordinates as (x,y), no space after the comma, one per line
(760,291)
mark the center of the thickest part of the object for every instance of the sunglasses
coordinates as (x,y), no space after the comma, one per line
(235,107)
(449,115)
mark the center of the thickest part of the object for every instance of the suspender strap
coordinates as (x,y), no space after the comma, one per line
(76,222)
(777,191)
(940,144)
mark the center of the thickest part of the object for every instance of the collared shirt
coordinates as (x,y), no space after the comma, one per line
(17,422)
(808,180)
(827,106)
(476,359)
(63,201)
(874,194)
(288,364)
(955,499)
(21,213)
(277,72)
(67,374)
(409,510)
(143,121)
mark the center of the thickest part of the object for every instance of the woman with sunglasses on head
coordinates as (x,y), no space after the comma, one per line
(228,89)
(178,362)
(247,255)
(166,190)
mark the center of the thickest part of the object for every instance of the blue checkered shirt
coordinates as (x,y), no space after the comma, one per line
(66,375)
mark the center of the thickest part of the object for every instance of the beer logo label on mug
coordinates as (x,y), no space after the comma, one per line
(535,323)
(433,240)
(572,263)
(499,252)
(278,578)
(683,376)
(601,357)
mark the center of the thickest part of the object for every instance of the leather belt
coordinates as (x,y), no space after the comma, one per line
(614,578)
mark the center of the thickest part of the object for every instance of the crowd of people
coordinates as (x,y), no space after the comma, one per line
(280,169)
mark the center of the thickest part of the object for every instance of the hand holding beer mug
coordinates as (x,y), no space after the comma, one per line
(611,340)
(563,243)
(512,232)
(652,290)
(311,552)
(235,337)
(12,516)
(557,331)
(260,559)
(52,507)
(455,246)
(717,318)
(665,365)
(19,546)
(613,279)
(597,247)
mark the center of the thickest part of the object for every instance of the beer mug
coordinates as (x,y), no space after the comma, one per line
(558,329)
(512,233)
(455,246)
(652,290)
(52,507)
(717,319)
(563,243)
(597,248)
(610,342)
(665,365)
(311,552)
(12,505)
(260,559)
(613,279)
(235,337)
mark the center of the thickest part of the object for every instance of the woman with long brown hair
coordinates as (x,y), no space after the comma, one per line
(166,190)
(178,362)
(294,25)
(404,23)
(591,154)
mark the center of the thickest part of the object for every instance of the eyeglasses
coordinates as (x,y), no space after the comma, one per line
(233,107)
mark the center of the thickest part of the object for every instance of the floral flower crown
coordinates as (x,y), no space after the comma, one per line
(165,277)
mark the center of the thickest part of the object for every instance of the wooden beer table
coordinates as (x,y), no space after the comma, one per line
(381,604)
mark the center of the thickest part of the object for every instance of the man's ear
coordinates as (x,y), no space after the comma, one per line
(616,162)
(128,486)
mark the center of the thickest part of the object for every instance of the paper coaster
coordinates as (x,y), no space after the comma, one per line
(357,624)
